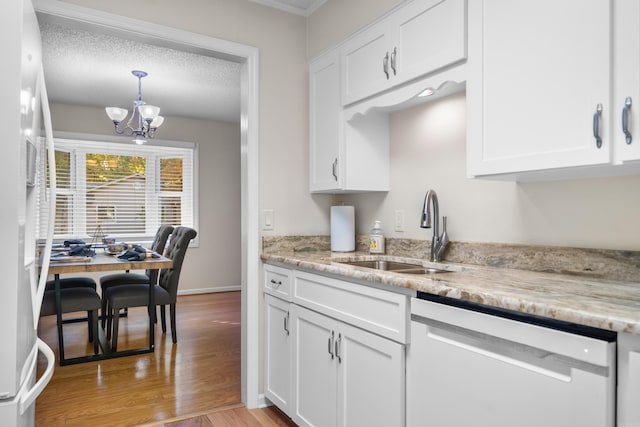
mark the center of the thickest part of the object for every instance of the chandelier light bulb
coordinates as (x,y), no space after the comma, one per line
(157,122)
(116,114)
(144,119)
(149,112)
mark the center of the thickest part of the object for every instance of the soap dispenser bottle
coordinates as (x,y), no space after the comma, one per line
(376,239)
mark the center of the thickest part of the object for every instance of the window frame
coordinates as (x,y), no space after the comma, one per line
(80,144)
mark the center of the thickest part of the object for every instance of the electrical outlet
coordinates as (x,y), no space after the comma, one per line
(399,220)
(268,219)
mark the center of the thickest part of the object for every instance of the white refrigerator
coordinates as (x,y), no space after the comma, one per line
(23,114)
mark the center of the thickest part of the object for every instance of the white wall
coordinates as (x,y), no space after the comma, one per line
(335,20)
(215,263)
(428,152)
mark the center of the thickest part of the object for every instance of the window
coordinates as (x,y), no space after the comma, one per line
(120,189)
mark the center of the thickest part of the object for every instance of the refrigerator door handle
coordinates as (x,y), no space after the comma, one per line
(30,396)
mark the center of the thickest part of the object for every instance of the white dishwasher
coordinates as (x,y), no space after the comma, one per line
(469,365)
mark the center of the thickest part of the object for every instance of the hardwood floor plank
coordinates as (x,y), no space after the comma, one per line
(200,421)
(272,417)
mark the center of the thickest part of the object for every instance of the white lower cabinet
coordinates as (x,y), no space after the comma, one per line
(334,350)
(628,407)
(278,353)
(345,376)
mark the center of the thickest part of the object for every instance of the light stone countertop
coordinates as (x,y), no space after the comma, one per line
(607,304)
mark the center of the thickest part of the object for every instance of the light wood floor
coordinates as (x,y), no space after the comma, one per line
(193,383)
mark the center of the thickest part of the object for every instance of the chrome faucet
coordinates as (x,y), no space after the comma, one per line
(438,242)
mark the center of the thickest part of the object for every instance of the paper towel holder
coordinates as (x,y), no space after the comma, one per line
(343,236)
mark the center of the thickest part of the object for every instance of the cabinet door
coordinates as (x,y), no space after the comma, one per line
(429,35)
(278,351)
(366,63)
(628,391)
(626,81)
(370,379)
(324,126)
(537,72)
(314,368)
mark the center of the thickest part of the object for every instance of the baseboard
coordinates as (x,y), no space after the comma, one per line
(208,290)
(263,402)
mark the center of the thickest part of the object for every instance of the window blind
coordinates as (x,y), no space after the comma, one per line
(120,190)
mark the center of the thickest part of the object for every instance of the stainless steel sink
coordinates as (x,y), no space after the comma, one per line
(397,267)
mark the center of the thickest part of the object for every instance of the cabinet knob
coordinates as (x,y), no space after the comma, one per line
(625,120)
(276,283)
(286,323)
(597,117)
(385,65)
(394,54)
(330,345)
(334,169)
(338,342)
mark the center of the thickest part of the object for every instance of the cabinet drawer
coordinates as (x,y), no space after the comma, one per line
(277,281)
(375,310)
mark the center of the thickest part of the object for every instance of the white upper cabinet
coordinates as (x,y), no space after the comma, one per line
(423,36)
(325,132)
(626,87)
(538,90)
(419,45)
(344,156)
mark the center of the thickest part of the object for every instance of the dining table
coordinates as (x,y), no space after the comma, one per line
(103,261)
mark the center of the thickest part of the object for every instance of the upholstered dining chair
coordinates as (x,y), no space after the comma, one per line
(72,282)
(75,299)
(106,282)
(165,292)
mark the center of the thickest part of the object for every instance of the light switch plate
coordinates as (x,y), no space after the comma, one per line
(268,219)
(399,220)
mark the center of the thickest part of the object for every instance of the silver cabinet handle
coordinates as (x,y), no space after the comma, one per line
(334,170)
(338,342)
(330,345)
(393,59)
(286,323)
(276,283)
(597,116)
(385,65)
(625,120)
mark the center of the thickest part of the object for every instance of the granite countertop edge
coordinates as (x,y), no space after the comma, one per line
(606,304)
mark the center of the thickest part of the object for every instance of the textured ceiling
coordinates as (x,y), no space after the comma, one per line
(85,67)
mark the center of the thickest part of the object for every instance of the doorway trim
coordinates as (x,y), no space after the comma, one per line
(248,57)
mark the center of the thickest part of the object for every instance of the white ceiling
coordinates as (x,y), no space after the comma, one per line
(90,65)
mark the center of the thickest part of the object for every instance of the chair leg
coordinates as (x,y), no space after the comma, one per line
(109,315)
(151,312)
(172,314)
(104,311)
(90,325)
(94,327)
(114,339)
(163,318)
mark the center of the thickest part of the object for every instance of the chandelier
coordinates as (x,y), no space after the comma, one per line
(144,119)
